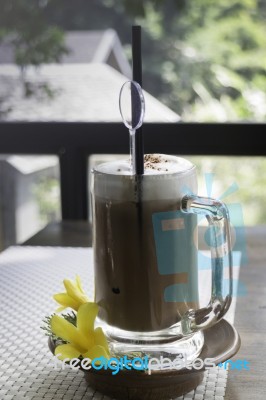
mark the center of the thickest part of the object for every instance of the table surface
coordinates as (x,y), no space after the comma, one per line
(250,317)
(64,233)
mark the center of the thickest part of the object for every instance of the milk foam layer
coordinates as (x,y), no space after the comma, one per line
(165,177)
(154,164)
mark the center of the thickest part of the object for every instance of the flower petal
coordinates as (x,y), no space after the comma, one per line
(96,352)
(100,339)
(67,331)
(86,317)
(66,351)
(59,309)
(74,292)
(79,284)
(65,300)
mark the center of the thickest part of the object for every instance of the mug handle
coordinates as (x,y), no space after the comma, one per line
(217,215)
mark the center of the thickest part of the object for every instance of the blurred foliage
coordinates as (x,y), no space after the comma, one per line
(209,59)
(205,59)
(47,194)
(246,175)
(24,26)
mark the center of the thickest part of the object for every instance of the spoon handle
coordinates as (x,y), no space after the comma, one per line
(132,145)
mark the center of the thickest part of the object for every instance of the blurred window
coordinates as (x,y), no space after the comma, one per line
(29,196)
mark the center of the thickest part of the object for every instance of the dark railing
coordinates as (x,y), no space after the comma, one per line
(74,142)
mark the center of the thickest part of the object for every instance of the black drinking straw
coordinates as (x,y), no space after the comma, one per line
(137,76)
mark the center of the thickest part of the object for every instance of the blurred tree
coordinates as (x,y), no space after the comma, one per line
(206,59)
(216,64)
(24,26)
(243,173)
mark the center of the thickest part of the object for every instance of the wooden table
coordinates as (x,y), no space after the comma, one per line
(250,321)
(64,233)
(250,318)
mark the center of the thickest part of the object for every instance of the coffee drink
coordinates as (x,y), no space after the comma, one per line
(145,254)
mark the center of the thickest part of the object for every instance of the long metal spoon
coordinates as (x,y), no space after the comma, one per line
(132,110)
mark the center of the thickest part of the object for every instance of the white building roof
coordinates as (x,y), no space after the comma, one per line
(30,164)
(83,47)
(82,92)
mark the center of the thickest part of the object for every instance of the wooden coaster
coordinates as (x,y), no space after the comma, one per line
(136,385)
(221,342)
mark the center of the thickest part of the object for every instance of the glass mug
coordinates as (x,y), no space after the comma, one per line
(145,256)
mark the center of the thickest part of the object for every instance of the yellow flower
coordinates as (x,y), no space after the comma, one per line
(83,340)
(74,296)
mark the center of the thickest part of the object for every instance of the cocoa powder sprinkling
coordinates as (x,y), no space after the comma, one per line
(150,161)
